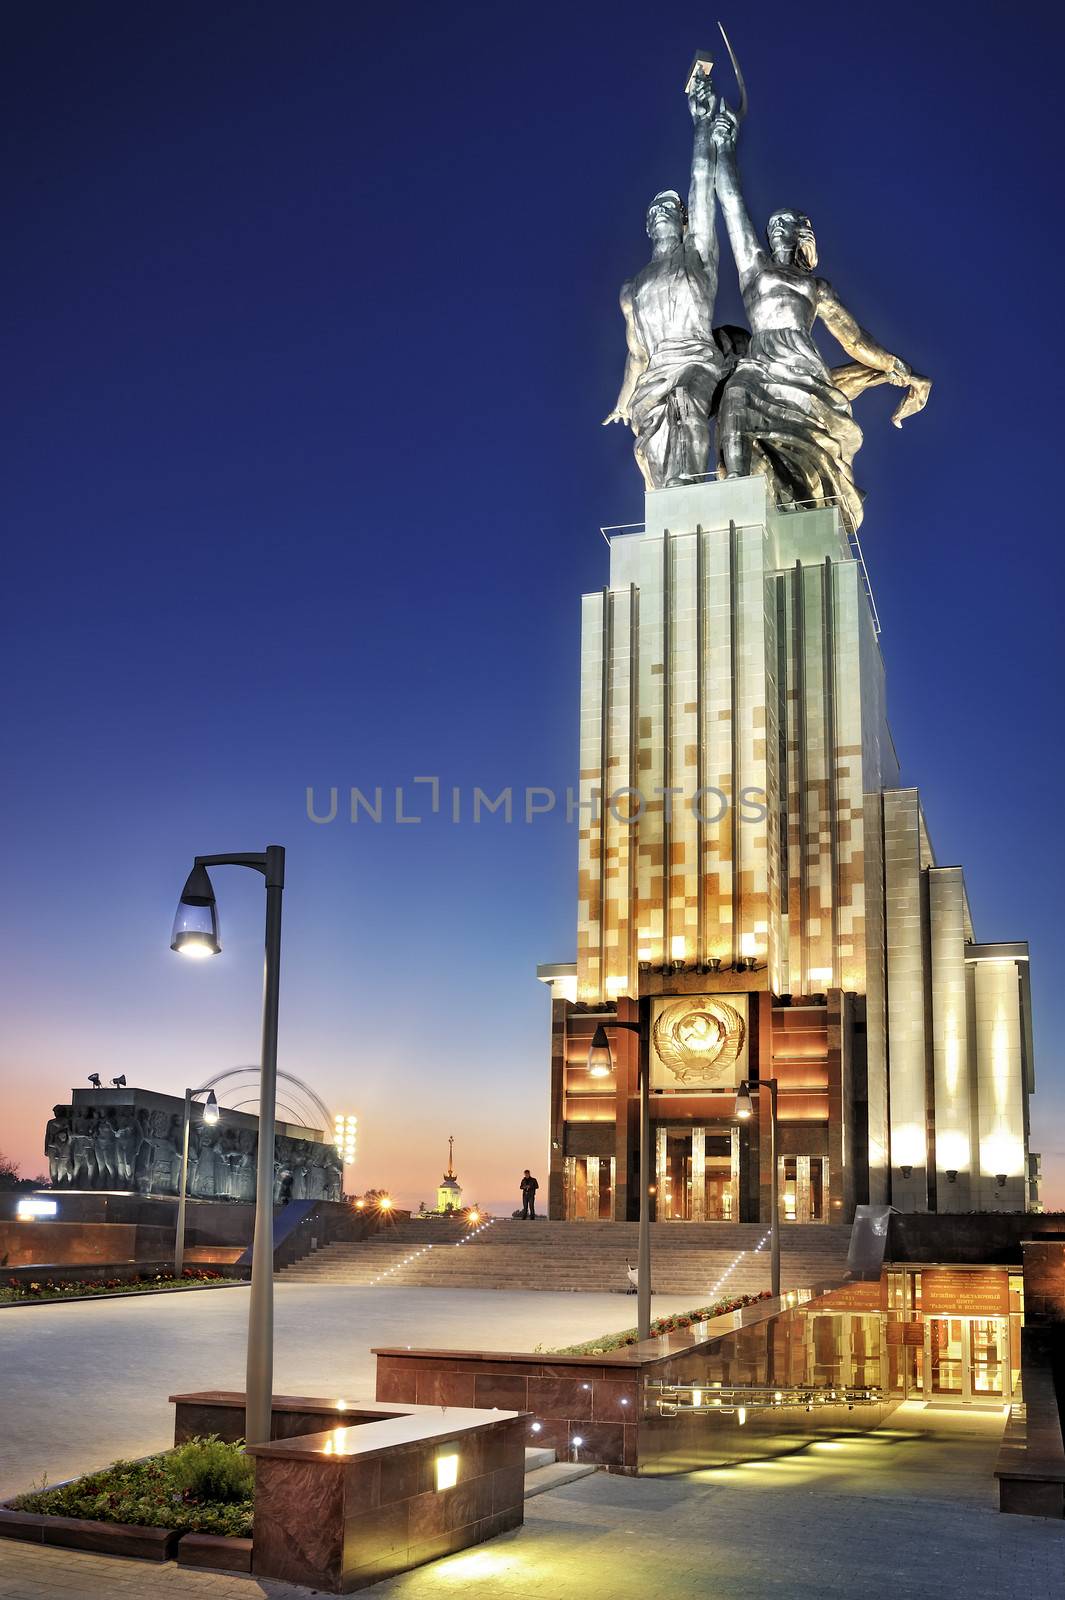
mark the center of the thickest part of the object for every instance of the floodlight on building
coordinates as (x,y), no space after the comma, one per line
(120,1081)
(195,931)
(346,1135)
(94,1079)
(1000,1178)
(952,1174)
(906,1170)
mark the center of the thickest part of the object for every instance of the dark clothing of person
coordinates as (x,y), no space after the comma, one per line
(529,1187)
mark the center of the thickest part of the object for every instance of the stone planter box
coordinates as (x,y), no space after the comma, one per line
(347,1494)
(77,1533)
(221,1411)
(215,1551)
(603,1409)
(348,1506)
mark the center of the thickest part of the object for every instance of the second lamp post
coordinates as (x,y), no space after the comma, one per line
(196,934)
(600,1065)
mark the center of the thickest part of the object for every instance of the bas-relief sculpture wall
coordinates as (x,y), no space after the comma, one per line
(138,1148)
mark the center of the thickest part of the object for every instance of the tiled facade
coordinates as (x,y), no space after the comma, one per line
(742,831)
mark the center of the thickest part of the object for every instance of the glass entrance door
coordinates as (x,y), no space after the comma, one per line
(988,1358)
(675,1179)
(697,1173)
(966,1359)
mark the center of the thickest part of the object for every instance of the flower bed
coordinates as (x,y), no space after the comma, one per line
(49,1289)
(680,1320)
(204,1486)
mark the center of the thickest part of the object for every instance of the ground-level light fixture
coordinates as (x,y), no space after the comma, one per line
(195,931)
(447,1472)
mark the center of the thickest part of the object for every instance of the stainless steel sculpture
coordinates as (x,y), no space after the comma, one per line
(784,413)
(674,365)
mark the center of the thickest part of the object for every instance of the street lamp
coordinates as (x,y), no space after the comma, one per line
(196,934)
(600,1065)
(745,1110)
(195,931)
(210,1116)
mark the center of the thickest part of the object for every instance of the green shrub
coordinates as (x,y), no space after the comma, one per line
(208,1469)
(204,1486)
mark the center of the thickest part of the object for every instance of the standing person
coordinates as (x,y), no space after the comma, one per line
(529,1187)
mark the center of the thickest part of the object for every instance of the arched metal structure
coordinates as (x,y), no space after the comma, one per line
(306,1116)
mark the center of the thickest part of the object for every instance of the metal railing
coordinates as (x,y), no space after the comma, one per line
(737,1399)
(827,503)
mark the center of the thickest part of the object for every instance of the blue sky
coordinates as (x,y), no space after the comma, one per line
(312,319)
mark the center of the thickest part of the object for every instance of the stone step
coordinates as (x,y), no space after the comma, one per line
(554,1477)
(537,1456)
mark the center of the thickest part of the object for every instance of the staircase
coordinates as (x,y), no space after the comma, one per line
(703,1260)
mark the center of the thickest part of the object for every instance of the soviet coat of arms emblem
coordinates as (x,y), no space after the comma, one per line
(698,1039)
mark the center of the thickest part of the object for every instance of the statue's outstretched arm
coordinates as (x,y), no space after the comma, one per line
(855,339)
(748,254)
(872,363)
(701,200)
(635,363)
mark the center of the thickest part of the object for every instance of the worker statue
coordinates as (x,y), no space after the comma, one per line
(674,364)
(784,414)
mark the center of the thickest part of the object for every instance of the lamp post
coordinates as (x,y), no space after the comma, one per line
(210,1116)
(744,1110)
(600,1065)
(196,934)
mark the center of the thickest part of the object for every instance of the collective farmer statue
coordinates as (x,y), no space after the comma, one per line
(784,414)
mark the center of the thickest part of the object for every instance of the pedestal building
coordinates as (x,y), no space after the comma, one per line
(760,895)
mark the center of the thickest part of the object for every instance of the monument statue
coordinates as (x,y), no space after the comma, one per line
(784,413)
(674,364)
(102,1141)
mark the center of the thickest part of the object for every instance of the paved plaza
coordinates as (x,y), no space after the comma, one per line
(87,1382)
(870,1517)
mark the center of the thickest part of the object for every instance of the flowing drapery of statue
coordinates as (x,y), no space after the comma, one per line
(781,411)
(674,365)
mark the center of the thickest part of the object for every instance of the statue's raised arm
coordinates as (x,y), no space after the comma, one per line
(674,366)
(748,254)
